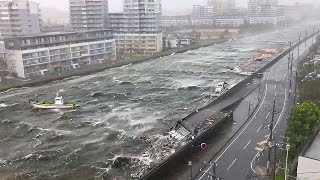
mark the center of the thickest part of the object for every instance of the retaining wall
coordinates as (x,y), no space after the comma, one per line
(169,165)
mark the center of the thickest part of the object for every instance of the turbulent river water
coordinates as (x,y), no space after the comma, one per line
(118,105)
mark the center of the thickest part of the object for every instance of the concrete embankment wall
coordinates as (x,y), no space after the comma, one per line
(170,165)
(250,78)
(163,169)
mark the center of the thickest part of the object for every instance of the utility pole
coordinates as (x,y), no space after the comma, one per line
(190,164)
(295,88)
(285,173)
(275,162)
(313,32)
(270,138)
(299,45)
(305,42)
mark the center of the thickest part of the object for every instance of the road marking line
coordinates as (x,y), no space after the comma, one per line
(275,86)
(275,93)
(231,164)
(284,104)
(268,115)
(259,128)
(251,164)
(247,145)
(263,100)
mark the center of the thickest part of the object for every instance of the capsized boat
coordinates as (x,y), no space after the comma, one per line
(238,70)
(58,104)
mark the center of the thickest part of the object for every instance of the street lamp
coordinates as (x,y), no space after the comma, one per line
(285,173)
(190,164)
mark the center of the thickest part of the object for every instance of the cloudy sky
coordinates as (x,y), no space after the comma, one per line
(178,6)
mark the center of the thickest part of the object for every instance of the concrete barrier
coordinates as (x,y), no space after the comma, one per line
(170,165)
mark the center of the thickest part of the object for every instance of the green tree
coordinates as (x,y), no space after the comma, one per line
(304,122)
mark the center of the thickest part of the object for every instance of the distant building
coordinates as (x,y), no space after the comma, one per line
(138,28)
(202,15)
(203,21)
(221,7)
(230,21)
(202,12)
(295,12)
(177,42)
(33,56)
(19,17)
(262,11)
(178,21)
(53,28)
(87,15)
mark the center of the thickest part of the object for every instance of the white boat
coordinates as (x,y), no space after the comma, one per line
(58,104)
(221,88)
(238,70)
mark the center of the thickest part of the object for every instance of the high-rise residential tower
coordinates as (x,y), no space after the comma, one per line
(86,15)
(19,17)
(222,7)
(138,27)
(262,11)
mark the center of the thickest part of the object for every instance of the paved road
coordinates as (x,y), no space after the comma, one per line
(238,159)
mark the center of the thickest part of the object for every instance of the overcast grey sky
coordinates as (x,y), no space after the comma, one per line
(178,6)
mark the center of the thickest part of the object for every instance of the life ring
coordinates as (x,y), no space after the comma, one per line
(203,145)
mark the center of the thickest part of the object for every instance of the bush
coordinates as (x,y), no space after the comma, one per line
(304,122)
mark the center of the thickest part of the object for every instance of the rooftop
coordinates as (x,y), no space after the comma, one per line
(57,33)
(314,149)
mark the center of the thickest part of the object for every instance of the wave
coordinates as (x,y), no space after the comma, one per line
(246,50)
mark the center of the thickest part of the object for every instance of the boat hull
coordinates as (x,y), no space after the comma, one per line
(54,106)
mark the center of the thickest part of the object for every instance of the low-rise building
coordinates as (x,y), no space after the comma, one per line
(229,21)
(203,22)
(53,28)
(177,42)
(139,43)
(33,56)
(180,21)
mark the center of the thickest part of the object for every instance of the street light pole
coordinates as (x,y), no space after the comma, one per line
(305,42)
(299,45)
(285,174)
(190,164)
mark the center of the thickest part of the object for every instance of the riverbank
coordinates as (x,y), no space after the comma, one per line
(101,67)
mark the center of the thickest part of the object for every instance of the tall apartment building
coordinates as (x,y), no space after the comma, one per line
(222,7)
(138,28)
(263,11)
(199,11)
(19,17)
(33,56)
(87,15)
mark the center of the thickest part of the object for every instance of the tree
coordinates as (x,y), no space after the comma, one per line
(304,122)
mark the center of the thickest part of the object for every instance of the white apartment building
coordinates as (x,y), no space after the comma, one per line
(34,56)
(139,43)
(202,12)
(178,21)
(19,17)
(87,15)
(203,22)
(139,26)
(229,21)
(263,12)
(222,7)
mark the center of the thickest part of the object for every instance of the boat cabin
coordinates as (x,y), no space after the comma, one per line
(58,100)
